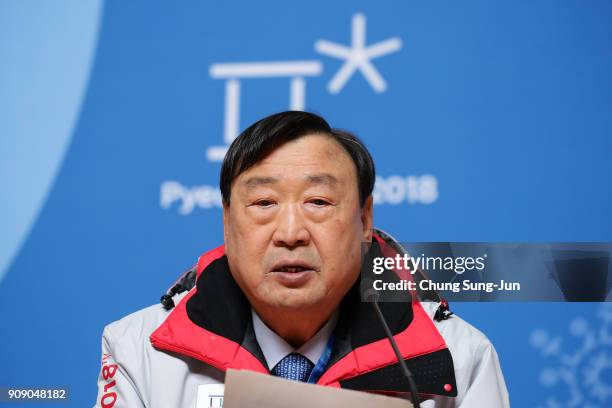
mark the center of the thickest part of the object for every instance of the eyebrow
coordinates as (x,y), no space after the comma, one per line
(253,182)
(321,178)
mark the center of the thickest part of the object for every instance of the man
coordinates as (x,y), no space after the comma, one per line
(281,296)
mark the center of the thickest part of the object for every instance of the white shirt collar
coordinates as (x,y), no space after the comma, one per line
(275,348)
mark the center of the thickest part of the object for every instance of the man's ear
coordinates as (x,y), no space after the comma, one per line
(367,215)
(226,210)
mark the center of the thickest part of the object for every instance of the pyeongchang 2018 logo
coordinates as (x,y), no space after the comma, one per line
(357,58)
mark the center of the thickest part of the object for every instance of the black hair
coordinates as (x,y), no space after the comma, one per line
(265,135)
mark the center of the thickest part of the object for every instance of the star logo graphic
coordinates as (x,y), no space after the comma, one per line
(358,56)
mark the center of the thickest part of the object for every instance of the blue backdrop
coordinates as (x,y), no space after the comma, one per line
(488,121)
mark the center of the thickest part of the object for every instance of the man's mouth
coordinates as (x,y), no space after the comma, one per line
(293,273)
(292,269)
(292,266)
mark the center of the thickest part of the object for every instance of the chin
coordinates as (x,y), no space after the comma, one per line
(296,299)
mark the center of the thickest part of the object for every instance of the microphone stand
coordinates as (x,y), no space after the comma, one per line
(402,363)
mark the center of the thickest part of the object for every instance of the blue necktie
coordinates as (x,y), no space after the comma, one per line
(293,367)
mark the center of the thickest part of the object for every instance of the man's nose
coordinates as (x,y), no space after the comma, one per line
(291,230)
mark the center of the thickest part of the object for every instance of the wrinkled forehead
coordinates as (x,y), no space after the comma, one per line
(311,159)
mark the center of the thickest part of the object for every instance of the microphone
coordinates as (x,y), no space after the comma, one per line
(372,296)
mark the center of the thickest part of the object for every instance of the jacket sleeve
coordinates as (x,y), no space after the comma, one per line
(486,386)
(116,389)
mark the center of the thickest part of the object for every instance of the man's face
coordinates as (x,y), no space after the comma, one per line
(294,226)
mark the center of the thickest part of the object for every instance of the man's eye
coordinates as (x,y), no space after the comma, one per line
(319,202)
(263,203)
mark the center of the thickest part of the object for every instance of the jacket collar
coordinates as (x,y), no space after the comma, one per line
(212,323)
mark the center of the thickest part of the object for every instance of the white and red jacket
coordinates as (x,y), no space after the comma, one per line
(158,358)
